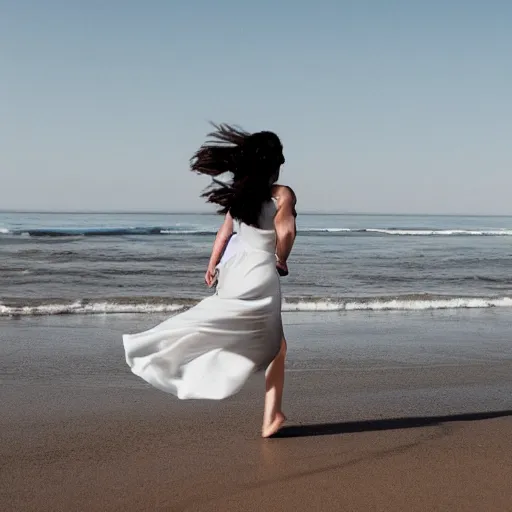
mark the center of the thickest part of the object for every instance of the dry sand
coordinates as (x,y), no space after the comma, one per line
(79,433)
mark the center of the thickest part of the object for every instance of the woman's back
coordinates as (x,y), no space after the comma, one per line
(282,196)
(267,215)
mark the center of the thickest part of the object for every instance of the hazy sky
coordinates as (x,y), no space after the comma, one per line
(382,106)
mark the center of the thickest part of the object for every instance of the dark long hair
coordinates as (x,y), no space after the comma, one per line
(252,159)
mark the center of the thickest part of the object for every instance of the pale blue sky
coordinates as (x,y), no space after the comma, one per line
(382,106)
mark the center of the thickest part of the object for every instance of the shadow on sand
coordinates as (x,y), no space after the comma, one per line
(329,429)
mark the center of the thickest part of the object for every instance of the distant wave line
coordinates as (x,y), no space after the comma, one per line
(179,231)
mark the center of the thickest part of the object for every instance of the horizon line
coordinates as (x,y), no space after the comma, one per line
(192,212)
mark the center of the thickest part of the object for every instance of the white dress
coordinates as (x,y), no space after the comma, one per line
(210,350)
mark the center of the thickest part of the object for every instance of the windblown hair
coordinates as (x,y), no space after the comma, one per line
(252,159)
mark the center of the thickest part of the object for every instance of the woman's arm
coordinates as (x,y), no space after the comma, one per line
(225,231)
(285,223)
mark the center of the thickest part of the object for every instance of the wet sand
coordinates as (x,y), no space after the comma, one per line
(386,412)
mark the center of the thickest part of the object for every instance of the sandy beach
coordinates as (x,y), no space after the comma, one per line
(402,411)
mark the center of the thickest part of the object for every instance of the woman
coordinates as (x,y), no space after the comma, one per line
(210,350)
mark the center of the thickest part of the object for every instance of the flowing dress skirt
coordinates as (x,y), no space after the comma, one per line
(210,350)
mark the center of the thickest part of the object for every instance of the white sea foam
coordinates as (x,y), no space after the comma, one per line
(296,305)
(95,308)
(329,230)
(202,230)
(441,232)
(411,232)
(187,232)
(403,304)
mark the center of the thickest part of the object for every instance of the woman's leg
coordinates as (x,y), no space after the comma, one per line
(273,416)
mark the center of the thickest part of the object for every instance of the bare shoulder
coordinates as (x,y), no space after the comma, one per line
(284,195)
(286,200)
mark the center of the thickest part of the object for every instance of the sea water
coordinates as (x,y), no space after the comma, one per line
(56,263)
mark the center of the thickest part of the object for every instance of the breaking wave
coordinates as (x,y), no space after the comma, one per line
(412,232)
(38,307)
(188,231)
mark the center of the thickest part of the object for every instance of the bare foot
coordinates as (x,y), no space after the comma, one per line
(272,428)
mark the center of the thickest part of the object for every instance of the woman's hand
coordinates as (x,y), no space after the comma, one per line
(285,225)
(282,268)
(210,277)
(221,240)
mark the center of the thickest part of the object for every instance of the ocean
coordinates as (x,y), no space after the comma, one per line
(57,263)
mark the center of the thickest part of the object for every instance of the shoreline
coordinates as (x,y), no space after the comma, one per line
(149,305)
